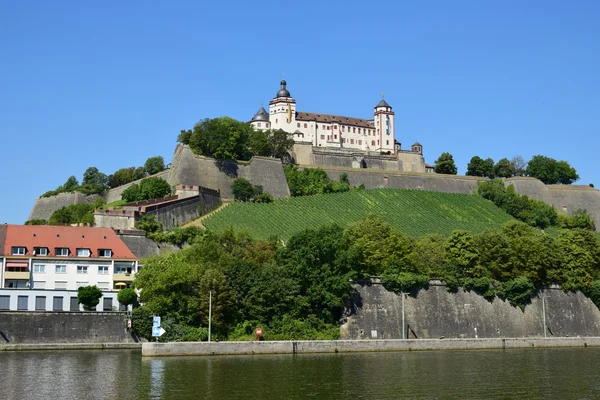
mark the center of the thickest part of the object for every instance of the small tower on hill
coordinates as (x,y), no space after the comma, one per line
(282,110)
(261,119)
(384,120)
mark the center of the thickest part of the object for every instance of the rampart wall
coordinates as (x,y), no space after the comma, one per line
(185,210)
(63,327)
(45,206)
(434,312)
(115,193)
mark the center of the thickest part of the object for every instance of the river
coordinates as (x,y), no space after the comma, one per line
(478,374)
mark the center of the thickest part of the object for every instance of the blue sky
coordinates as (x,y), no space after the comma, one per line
(109,84)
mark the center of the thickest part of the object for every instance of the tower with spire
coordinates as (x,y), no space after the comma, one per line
(384,121)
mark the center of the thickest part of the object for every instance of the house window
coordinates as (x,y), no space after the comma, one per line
(83,252)
(82,284)
(82,269)
(4,302)
(18,251)
(40,251)
(322,137)
(40,303)
(60,284)
(107,303)
(61,269)
(22,302)
(39,285)
(74,304)
(105,253)
(122,270)
(103,269)
(57,304)
(62,251)
(103,286)
(40,269)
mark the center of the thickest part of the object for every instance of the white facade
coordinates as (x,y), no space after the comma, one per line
(51,300)
(327,130)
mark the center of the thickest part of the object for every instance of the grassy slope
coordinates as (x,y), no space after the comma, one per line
(416,212)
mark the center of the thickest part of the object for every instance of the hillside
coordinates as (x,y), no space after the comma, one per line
(416,212)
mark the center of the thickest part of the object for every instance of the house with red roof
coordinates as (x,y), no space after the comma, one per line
(42,266)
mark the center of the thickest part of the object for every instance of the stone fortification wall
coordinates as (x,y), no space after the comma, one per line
(565,198)
(63,327)
(45,206)
(190,169)
(435,312)
(179,212)
(115,193)
(142,247)
(373,179)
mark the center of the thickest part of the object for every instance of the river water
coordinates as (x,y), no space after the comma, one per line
(477,374)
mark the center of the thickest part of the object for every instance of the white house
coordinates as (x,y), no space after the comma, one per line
(42,266)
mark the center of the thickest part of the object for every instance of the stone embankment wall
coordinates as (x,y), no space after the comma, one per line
(435,313)
(150,349)
(63,327)
(45,206)
(185,210)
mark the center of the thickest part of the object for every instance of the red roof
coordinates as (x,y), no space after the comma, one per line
(52,237)
(308,116)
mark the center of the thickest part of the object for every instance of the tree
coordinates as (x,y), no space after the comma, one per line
(127,296)
(73,214)
(94,181)
(121,177)
(518,165)
(71,184)
(503,169)
(280,142)
(149,188)
(89,297)
(445,164)
(154,165)
(478,167)
(149,224)
(550,171)
(223,138)
(243,190)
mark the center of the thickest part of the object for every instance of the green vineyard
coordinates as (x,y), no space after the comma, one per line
(415,212)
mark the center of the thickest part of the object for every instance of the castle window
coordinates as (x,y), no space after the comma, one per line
(322,137)
(335,137)
(258,124)
(317,126)
(378,143)
(276,120)
(298,124)
(353,130)
(360,142)
(351,141)
(387,142)
(305,125)
(372,143)
(335,127)
(343,128)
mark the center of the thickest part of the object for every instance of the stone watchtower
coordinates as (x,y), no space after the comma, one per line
(384,121)
(282,110)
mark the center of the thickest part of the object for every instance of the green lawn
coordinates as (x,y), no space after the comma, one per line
(415,212)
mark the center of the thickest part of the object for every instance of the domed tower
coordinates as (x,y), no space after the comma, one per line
(261,119)
(282,110)
(384,120)
(417,148)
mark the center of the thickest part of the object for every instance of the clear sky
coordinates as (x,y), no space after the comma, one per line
(109,84)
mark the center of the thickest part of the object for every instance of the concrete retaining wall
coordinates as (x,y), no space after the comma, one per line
(63,327)
(150,349)
(435,313)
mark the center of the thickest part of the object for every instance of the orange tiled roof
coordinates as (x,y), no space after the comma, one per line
(52,237)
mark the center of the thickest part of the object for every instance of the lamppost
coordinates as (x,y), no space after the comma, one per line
(544,312)
(209,312)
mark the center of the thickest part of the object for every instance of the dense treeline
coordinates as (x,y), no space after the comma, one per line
(96,182)
(229,139)
(310,181)
(546,169)
(533,212)
(299,290)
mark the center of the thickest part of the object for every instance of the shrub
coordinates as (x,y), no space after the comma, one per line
(89,297)
(264,198)
(127,296)
(149,224)
(36,222)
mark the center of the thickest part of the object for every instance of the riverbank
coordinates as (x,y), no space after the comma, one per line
(151,349)
(69,346)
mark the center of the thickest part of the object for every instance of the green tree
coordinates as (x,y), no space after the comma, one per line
(36,222)
(445,164)
(518,165)
(73,214)
(477,167)
(149,188)
(71,184)
(127,296)
(503,169)
(121,177)
(243,190)
(222,138)
(280,142)
(154,165)
(89,297)
(580,219)
(222,299)
(461,253)
(149,224)
(185,136)
(551,171)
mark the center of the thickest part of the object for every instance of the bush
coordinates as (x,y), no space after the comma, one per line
(148,189)
(73,214)
(264,198)
(36,222)
(127,296)
(243,190)
(178,236)
(149,224)
(89,297)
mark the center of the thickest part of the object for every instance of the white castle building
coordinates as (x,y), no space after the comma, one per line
(325,130)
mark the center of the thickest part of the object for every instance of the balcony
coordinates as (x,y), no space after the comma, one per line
(124,277)
(16,275)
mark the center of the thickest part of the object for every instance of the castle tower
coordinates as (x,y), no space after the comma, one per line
(261,119)
(282,110)
(384,120)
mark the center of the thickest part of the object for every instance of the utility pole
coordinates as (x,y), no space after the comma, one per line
(403,325)
(209,312)
(544,313)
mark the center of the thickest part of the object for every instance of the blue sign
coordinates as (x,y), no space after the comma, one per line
(156,331)
(155,321)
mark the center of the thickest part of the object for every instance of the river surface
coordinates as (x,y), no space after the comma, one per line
(477,374)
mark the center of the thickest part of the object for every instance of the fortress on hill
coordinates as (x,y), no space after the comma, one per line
(364,149)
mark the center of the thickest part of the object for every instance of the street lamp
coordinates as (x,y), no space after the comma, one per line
(209,312)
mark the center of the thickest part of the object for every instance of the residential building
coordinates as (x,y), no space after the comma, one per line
(42,266)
